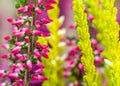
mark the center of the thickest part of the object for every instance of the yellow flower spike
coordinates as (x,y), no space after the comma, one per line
(53,65)
(90,78)
(105,22)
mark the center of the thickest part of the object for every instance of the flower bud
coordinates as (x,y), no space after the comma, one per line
(16,50)
(37,32)
(37,24)
(13,75)
(29,65)
(5,46)
(2,73)
(38,11)
(7,38)
(5,56)
(22,9)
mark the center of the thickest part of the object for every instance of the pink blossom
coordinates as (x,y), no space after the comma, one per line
(36,53)
(14,66)
(10,20)
(49,7)
(19,43)
(46,20)
(40,2)
(19,34)
(42,78)
(18,23)
(40,64)
(13,75)
(45,34)
(5,56)
(90,18)
(7,38)
(39,71)
(34,77)
(30,7)
(44,54)
(5,46)
(37,32)
(81,67)
(20,57)
(29,65)
(2,73)
(66,74)
(16,50)
(27,40)
(52,2)
(27,31)
(37,24)
(22,9)
(72,26)
(38,11)
(37,44)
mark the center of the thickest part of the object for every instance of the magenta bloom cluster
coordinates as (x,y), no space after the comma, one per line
(24,51)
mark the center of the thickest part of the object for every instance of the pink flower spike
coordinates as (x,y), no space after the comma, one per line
(10,20)
(38,11)
(2,73)
(37,32)
(40,2)
(42,78)
(46,20)
(29,65)
(5,46)
(90,18)
(7,38)
(5,56)
(22,9)
(13,75)
(37,24)
(16,50)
